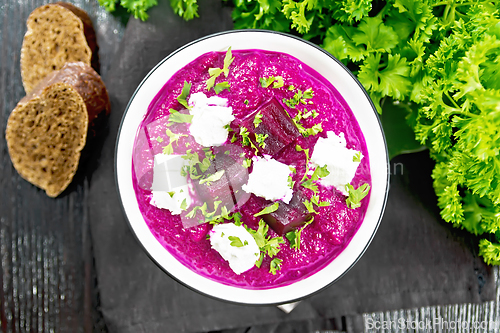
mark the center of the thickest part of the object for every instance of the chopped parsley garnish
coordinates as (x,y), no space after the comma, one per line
(174,137)
(257,120)
(245,139)
(357,157)
(269,209)
(275,265)
(219,87)
(268,246)
(306,151)
(212,178)
(159,139)
(299,97)
(356,195)
(236,241)
(260,139)
(294,235)
(215,72)
(320,172)
(209,216)
(315,129)
(315,202)
(246,102)
(276,81)
(247,162)
(177,117)
(182,98)
(194,164)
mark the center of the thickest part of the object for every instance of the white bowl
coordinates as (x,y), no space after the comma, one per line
(355,96)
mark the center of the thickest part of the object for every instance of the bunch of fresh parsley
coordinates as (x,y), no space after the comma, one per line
(438,62)
(435,61)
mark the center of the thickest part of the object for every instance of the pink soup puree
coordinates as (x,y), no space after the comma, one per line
(256,80)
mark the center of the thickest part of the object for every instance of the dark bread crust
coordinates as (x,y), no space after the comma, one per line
(89,32)
(48,129)
(56,33)
(88,84)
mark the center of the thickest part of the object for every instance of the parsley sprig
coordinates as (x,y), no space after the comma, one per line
(215,72)
(356,195)
(267,245)
(294,236)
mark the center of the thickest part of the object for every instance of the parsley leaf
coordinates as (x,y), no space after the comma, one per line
(184,94)
(212,178)
(219,87)
(236,241)
(268,246)
(215,72)
(174,137)
(356,195)
(177,117)
(295,235)
(269,209)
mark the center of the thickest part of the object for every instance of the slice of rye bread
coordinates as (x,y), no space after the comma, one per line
(56,33)
(48,129)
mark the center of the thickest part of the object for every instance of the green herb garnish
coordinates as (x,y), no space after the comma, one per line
(236,241)
(275,265)
(276,81)
(215,72)
(257,120)
(182,98)
(356,195)
(219,87)
(260,139)
(212,178)
(269,209)
(295,235)
(268,246)
(174,137)
(177,117)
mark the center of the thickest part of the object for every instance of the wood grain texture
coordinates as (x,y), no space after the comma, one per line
(47,279)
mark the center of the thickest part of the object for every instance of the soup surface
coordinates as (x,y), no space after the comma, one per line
(270,107)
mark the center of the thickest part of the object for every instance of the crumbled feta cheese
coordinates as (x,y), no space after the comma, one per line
(211,115)
(269,179)
(170,189)
(173,200)
(244,252)
(340,161)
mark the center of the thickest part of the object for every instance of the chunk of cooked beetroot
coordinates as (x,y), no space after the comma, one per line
(228,187)
(275,123)
(289,216)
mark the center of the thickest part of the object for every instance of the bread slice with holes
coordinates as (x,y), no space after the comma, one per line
(48,128)
(56,33)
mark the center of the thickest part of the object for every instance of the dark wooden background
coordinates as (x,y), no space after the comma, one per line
(47,276)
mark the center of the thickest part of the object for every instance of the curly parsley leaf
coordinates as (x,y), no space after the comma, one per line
(187,9)
(269,209)
(356,195)
(138,8)
(236,241)
(295,235)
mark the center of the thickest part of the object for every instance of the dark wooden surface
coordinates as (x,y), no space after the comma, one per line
(47,277)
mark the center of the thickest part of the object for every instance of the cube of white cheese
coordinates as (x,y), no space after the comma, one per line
(211,115)
(269,179)
(170,190)
(340,161)
(236,245)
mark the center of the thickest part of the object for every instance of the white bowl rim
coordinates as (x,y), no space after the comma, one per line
(230,289)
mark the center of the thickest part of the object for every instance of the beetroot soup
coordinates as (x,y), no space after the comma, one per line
(250,169)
